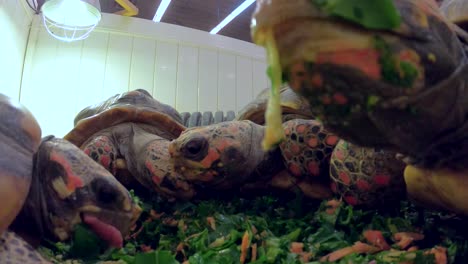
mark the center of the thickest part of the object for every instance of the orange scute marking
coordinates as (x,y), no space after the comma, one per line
(295,170)
(339,154)
(210,158)
(350,200)
(301,128)
(314,168)
(295,149)
(344,177)
(331,140)
(287,131)
(73,181)
(366,60)
(333,187)
(363,185)
(312,142)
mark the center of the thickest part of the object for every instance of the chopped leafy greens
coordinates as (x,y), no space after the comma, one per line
(373,14)
(270,229)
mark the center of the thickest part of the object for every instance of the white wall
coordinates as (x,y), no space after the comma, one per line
(188,69)
(15,21)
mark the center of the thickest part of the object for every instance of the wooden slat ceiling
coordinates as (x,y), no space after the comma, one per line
(198,14)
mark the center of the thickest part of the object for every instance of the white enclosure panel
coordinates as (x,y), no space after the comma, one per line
(187,79)
(15,21)
(244,90)
(227,82)
(61,95)
(92,69)
(260,78)
(142,68)
(165,76)
(207,80)
(188,69)
(118,61)
(37,93)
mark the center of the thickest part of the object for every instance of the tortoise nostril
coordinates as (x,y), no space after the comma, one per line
(196,148)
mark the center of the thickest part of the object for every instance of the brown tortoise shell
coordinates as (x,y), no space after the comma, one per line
(136,106)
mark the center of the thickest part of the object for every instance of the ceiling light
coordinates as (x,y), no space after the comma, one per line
(231,16)
(161,10)
(71,20)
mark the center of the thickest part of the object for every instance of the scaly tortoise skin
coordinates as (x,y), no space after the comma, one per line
(307,155)
(229,155)
(367,177)
(129,134)
(402,89)
(48,186)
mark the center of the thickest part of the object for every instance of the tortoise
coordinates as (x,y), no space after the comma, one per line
(48,186)
(129,134)
(229,155)
(398,83)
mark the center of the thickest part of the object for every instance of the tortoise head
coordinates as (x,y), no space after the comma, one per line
(20,136)
(292,106)
(351,58)
(69,188)
(219,155)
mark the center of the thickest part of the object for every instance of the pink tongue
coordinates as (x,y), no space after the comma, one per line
(105,231)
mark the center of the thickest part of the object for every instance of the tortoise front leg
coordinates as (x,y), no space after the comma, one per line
(149,161)
(103,150)
(13,249)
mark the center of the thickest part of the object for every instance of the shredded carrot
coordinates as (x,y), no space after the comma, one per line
(337,254)
(413,248)
(332,205)
(306,256)
(155,215)
(440,254)
(145,248)
(244,247)
(297,247)
(254,252)
(212,222)
(375,238)
(406,238)
(358,247)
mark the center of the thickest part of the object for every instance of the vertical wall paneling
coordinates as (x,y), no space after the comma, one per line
(208,80)
(165,72)
(187,79)
(142,68)
(244,90)
(37,94)
(92,70)
(188,69)
(260,79)
(64,89)
(118,61)
(226,82)
(15,21)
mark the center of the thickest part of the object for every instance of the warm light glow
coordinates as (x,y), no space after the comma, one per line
(231,16)
(71,20)
(161,10)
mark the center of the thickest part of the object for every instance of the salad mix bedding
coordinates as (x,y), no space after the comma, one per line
(272,229)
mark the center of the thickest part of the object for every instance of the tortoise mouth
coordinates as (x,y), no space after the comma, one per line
(107,224)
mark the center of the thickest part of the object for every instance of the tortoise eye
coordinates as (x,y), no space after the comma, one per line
(104,191)
(196,148)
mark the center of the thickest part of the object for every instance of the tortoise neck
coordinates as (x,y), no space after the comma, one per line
(32,222)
